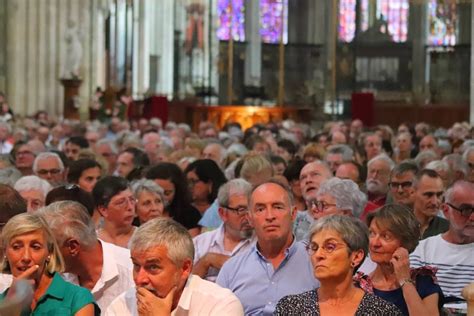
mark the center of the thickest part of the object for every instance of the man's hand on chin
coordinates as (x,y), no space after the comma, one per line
(148,304)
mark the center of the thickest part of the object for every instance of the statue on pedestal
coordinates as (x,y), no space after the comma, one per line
(73,51)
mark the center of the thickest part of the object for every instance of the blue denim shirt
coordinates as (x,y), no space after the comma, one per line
(211,219)
(259,286)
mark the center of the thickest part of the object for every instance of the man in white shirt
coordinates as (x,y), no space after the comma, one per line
(214,248)
(162,253)
(452,252)
(103,268)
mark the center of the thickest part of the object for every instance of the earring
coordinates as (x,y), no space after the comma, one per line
(352,264)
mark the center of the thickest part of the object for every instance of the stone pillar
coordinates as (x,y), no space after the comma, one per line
(36,52)
(3,50)
(253,51)
(418,31)
(471,114)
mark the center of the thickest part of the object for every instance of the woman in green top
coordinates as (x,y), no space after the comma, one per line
(32,253)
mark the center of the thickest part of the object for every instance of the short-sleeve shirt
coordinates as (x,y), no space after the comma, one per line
(61,298)
(424,286)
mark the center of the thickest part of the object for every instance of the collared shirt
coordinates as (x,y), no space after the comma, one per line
(116,277)
(259,286)
(436,226)
(5,281)
(213,241)
(199,297)
(211,219)
(61,298)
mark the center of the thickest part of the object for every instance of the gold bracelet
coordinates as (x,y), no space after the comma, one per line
(406,281)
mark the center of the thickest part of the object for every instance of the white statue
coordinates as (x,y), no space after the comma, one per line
(73,59)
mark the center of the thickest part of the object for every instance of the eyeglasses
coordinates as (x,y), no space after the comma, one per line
(320,205)
(24,153)
(465,210)
(240,210)
(50,171)
(124,201)
(53,172)
(403,185)
(328,247)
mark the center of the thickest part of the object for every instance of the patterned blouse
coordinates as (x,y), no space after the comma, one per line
(307,304)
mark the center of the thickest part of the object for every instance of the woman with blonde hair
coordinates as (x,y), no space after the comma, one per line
(32,253)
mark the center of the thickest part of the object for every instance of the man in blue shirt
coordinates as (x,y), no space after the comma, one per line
(277,265)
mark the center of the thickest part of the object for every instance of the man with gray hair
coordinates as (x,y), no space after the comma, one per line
(337,155)
(162,252)
(452,252)
(50,167)
(101,267)
(378,178)
(214,248)
(216,152)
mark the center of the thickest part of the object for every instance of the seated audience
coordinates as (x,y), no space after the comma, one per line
(276,265)
(429,190)
(337,155)
(73,145)
(115,202)
(177,196)
(131,163)
(103,268)
(150,200)
(452,252)
(337,247)
(33,190)
(85,173)
(232,237)
(393,234)
(50,167)
(402,181)
(32,253)
(162,253)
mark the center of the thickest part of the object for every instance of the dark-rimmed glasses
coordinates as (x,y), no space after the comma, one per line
(465,210)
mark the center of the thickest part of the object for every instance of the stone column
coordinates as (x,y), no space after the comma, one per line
(253,51)
(471,114)
(418,32)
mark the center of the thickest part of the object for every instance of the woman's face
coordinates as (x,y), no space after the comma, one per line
(35,199)
(325,206)
(199,189)
(382,243)
(27,250)
(121,209)
(89,178)
(169,189)
(149,206)
(330,255)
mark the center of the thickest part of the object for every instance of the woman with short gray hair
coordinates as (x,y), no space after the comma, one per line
(150,200)
(34,190)
(337,247)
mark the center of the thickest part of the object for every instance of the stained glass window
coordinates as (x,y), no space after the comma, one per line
(231,12)
(394,13)
(274,20)
(442,19)
(347,20)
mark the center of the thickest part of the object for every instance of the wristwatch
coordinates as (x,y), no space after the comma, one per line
(405,281)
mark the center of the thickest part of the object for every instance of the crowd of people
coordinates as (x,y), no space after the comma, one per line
(141,218)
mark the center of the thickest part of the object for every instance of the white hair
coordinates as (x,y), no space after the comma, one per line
(44,156)
(347,194)
(382,157)
(28,183)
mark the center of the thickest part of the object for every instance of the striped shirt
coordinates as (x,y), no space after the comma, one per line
(455,263)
